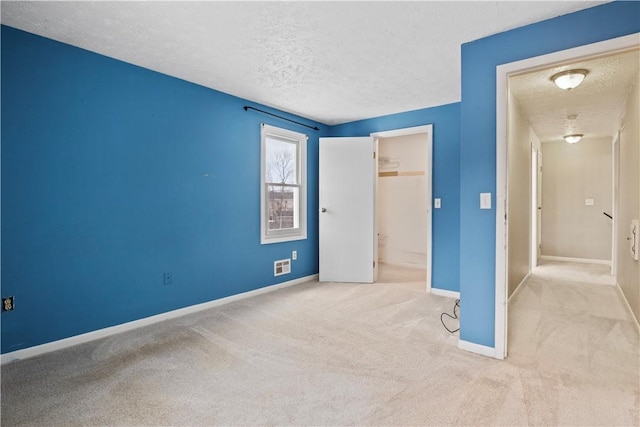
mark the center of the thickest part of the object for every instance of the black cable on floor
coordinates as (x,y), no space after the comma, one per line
(455,316)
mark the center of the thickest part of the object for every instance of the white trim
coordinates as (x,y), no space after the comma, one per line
(403,131)
(402,264)
(580,260)
(520,286)
(500,319)
(502,74)
(428,129)
(430,207)
(633,316)
(477,348)
(376,252)
(124,327)
(299,233)
(445,293)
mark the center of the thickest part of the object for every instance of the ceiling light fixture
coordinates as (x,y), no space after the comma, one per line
(569,79)
(572,139)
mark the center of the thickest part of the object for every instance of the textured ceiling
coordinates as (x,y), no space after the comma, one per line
(330,61)
(597,103)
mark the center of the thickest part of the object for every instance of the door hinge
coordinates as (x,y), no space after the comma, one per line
(374,264)
(374,154)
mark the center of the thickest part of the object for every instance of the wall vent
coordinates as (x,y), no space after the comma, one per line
(281,267)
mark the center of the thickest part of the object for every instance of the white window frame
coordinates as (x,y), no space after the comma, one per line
(276,236)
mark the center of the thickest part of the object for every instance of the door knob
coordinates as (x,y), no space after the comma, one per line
(323,210)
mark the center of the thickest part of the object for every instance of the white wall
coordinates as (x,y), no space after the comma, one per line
(520,140)
(628,271)
(402,201)
(572,173)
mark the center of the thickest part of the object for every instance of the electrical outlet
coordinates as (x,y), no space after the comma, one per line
(294,255)
(168,278)
(8,304)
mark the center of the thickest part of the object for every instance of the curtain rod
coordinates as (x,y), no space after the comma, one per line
(246,107)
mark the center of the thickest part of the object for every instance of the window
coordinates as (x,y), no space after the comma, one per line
(283,185)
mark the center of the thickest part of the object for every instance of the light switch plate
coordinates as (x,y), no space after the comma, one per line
(588,202)
(485,200)
(436,204)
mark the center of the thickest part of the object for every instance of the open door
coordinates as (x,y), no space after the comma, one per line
(536,206)
(347,228)
(539,208)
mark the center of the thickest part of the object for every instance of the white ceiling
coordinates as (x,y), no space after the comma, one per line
(597,103)
(334,62)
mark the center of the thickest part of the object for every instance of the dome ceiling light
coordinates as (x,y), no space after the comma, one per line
(569,79)
(572,139)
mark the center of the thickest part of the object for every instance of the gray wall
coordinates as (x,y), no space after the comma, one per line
(520,140)
(572,173)
(628,271)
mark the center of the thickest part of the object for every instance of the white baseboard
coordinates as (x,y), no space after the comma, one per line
(112,330)
(519,287)
(477,348)
(633,316)
(403,264)
(581,260)
(445,293)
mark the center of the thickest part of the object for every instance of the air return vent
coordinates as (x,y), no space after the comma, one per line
(281,267)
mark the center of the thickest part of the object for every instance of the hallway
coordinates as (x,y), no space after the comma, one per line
(569,326)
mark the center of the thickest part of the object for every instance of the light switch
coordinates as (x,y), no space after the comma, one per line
(588,202)
(485,200)
(436,203)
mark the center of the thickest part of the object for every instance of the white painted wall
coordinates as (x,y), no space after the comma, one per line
(628,270)
(571,174)
(402,201)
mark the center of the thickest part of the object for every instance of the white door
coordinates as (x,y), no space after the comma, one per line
(616,203)
(539,205)
(347,170)
(535,208)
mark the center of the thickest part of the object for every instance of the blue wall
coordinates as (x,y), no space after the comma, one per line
(103,191)
(446,180)
(478,140)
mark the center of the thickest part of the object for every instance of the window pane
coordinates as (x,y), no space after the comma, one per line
(282,207)
(281,161)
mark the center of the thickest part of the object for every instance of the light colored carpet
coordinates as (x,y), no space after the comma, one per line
(346,354)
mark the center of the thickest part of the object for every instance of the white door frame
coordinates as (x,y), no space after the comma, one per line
(502,78)
(428,129)
(533,218)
